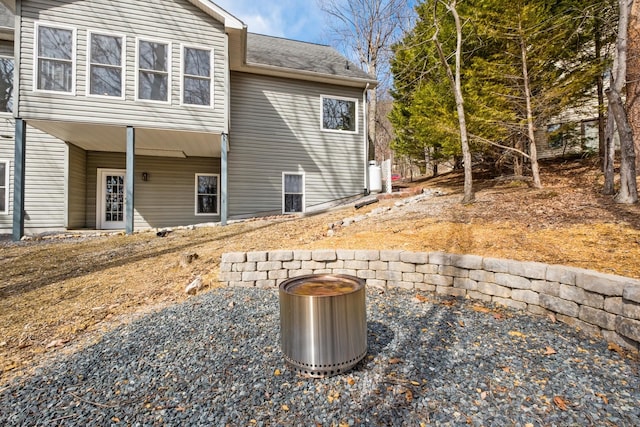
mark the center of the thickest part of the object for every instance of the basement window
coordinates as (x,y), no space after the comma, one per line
(4,186)
(207,194)
(292,192)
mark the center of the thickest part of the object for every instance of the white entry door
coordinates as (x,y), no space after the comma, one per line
(110,199)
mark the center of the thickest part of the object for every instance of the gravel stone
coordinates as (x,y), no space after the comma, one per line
(430,361)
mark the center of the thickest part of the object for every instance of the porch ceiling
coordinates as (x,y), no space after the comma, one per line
(149,142)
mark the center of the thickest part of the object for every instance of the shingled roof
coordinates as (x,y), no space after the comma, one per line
(300,56)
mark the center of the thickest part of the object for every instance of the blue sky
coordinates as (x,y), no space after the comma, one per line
(294,19)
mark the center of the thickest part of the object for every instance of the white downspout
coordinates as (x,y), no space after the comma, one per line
(366,138)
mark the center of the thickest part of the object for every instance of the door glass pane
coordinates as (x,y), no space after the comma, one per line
(114,198)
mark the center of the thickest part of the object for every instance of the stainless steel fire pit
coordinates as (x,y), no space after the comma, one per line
(323,323)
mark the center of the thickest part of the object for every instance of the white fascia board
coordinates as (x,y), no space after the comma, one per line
(218,13)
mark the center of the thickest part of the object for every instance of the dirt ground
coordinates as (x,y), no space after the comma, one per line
(60,294)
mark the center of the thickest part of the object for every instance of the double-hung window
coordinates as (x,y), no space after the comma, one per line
(154,59)
(6,84)
(207,194)
(4,186)
(196,76)
(339,114)
(55,59)
(106,65)
(292,192)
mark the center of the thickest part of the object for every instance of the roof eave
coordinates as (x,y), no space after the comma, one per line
(274,71)
(215,11)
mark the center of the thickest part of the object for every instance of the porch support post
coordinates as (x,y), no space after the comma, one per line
(129,180)
(224,148)
(19,178)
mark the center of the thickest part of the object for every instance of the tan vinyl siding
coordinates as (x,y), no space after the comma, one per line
(275,128)
(166,199)
(44,180)
(77,184)
(170,21)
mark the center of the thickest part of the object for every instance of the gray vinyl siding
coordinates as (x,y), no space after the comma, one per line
(44,179)
(166,199)
(77,187)
(275,128)
(172,21)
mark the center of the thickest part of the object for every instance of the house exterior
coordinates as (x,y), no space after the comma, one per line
(138,114)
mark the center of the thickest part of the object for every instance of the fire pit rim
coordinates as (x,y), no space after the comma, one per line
(359,284)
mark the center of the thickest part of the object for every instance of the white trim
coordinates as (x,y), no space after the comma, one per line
(169,68)
(100,208)
(217,213)
(343,98)
(7,164)
(211,75)
(36,68)
(123,63)
(304,192)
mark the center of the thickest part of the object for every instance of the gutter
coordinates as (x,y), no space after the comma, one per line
(365,128)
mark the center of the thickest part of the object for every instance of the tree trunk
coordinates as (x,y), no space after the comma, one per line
(628,189)
(610,155)
(633,75)
(533,150)
(602,148)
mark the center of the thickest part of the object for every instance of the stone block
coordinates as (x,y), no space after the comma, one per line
(366,274)
(585,327)
(447,290)
(439,258)
(313,265)
(598,317)
(347,271)
(512,281)
(427,268)
(345,254)
(324,255)
(246,266)
(403,267)
(562,274)
(628,328)
(630,309)
(265,284)
(413,277)
(234,257)
(375,283)
(469,262)
(605,284)
(517,305)
(257,256)
(482,276)
(300,272)
(536,309)
(450,270)
(292,265)
(241,284)
(252,276)
(226,266)
(414,257)
(525,295)
(494,290)
(337,264)
(400,284)
(559,305)
(378,265)
(546,288)
(269,265)
(357,265)
(479,296)
(436,279)
(367,255)
(386,255)
(614,337)
(631,292)
(389,275)
(465,283)
(425,287)
(613,305)
(323,271)
(496,265)
(230,276)
(281,256)
(582,297)
(302,255)
(278,274)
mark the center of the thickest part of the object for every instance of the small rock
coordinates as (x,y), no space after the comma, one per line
(187,258)
(193,287)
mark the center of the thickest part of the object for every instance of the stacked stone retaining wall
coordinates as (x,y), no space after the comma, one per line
(599,304)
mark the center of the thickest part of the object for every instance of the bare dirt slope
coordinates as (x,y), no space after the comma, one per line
(60,294)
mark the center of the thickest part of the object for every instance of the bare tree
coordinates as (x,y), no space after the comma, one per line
(633,75)
(368,28)
(455,80)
